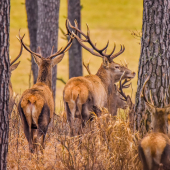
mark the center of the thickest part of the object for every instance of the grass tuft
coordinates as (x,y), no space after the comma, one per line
(107,143)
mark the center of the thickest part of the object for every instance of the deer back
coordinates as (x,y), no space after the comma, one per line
(153,147)
(153,151)
(39,95)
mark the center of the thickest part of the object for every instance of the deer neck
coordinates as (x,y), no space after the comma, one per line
(45,76)
(160,125)
(106,78)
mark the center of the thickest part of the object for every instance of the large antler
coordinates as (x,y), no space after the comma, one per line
(99,52)
(21,41)
(123,85)
(12,62)
(143,94)
(59,52)
(67,47)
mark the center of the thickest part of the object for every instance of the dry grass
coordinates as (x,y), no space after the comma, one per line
(107,143)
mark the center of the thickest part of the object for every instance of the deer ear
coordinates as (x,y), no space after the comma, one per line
(105,62)
(57,59)
(14,66)
(37,59)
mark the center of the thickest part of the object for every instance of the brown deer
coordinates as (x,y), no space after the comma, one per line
(117,96)
(82,94)
(154,148)
(13,66)
(36,106)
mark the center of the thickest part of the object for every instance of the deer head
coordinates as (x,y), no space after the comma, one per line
(45,64)
(115,70)
(159,115)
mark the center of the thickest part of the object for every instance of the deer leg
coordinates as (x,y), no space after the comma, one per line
(43,123)
(29,121)
(142,158)
(34,137)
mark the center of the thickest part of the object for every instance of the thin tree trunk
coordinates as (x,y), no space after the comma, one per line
(75,52)
(154,59)
(32,17)
(4,80)
(47,33)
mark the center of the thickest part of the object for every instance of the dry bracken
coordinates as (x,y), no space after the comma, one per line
(107,143)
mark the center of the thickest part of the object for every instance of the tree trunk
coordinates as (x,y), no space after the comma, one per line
(32,17)
(75,52)
(47,33)
(4,80)
(154,59)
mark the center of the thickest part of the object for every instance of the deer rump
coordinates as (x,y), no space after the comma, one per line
(154,152)
(36,110)
(83,95)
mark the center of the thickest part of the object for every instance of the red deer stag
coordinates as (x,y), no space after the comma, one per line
(154,148)
(36,106)
(12,68)
(117,96)
(83,94)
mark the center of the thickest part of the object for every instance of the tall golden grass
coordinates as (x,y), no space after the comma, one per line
(106,144)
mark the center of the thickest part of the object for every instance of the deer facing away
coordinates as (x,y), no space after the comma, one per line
(82,94)
(154,148)
(36,106)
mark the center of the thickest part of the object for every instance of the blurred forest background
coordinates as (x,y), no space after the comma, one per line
(113,20)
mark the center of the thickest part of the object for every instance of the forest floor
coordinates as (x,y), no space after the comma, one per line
(108,20)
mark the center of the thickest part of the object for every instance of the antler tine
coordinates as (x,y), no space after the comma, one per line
(85,47)
(67,47)
(100,51)
(117,54)
(108,55)
(63,50)
(126,81)
(97,52)
(143,93)
(87,39)
(12,62)
(105,48)
(87,67)
(52,50)
(21,41)
(121,90)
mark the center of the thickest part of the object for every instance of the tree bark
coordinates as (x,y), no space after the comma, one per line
(75,52)
(47,33)
(4,80)
(154,59)
(32,17)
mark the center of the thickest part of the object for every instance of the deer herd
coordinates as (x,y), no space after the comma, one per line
(86,94)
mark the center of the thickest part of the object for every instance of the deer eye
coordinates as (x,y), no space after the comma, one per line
(117,67)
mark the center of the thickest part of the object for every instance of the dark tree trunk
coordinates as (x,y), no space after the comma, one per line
(32,17)
(4,80)
(75,52)
(154,59)
(47,33)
